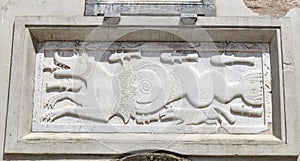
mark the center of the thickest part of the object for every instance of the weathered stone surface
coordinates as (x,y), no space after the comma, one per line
(156,7)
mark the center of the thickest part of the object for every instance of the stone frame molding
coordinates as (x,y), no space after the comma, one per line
(276,31)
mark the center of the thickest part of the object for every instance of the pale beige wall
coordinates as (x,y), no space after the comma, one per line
(9,10)
(295,18)
(12,8)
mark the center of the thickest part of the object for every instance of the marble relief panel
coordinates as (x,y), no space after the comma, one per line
(152,87)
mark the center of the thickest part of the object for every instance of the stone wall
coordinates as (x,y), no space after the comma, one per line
(22,20)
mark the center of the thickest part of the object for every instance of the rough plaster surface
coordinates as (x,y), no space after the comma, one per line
(272,7)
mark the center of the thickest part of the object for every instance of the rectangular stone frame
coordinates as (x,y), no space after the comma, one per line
(146,7)
(276,31)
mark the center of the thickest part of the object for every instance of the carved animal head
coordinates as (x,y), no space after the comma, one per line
(75,66)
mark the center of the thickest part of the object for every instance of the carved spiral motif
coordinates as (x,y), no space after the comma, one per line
(145,86)
(152,85)
(148,85)
(253,88)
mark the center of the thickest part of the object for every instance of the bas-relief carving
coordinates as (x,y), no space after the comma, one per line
(180,90)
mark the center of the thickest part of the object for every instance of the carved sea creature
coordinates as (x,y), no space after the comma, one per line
(225,60)
(116,57)
(188,116)
(168,58)
(66,85)
(244,110)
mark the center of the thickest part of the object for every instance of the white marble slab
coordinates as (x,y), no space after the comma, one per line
(153,88)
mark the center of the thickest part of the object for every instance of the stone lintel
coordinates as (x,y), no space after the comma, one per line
(170,8)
